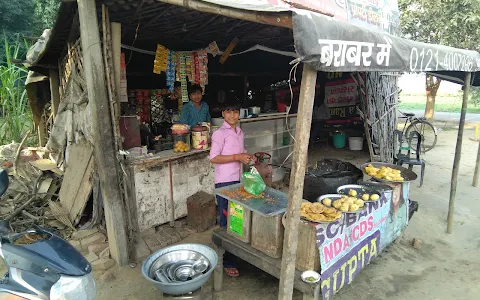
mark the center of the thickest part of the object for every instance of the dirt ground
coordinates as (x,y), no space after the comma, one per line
(445,267)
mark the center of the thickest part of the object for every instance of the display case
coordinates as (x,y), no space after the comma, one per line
(272,134)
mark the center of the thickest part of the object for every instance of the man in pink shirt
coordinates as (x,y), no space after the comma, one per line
(228,154)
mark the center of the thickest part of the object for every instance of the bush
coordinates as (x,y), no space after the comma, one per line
(15,114)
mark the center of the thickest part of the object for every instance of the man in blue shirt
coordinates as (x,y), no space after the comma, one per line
(195,111)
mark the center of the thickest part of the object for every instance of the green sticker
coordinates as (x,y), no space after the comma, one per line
(236,218)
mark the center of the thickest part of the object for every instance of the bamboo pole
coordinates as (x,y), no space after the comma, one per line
(477,167)
(458,153)
(295,195)
(54,90)
(103,146)
(279,20)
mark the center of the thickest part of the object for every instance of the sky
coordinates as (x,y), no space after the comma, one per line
(415,84)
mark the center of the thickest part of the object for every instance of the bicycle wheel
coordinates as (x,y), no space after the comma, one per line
(428,133)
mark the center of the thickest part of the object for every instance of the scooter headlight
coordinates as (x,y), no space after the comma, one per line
(78,288)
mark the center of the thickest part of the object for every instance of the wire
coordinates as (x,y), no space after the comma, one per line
(294,71)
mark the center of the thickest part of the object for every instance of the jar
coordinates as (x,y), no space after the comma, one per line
(200,137)
(181,142)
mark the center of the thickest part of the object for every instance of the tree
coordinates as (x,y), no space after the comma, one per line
(46,12)
(454,23)
(16,20)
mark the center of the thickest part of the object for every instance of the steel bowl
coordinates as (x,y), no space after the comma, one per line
(179,252)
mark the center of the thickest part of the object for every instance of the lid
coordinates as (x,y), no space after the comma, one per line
(199,128)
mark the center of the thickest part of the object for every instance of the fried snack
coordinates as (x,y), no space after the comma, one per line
(318,212)
(348,204)
(352,193)
(365,197)
(374,197)
(386,173)
(327,202)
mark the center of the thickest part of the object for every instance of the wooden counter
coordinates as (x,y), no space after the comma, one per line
(158,186)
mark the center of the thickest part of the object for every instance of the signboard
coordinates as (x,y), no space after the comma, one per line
(341,96)
(348,245)
(331,46)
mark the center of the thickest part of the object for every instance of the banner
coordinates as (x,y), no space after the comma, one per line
(349,244)
(332,46)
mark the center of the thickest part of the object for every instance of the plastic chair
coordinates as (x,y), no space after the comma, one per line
(407,160)
(398,135)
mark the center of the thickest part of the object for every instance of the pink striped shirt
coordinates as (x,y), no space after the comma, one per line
(227,141)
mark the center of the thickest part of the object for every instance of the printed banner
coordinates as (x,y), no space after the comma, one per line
(341,93)
(348,245)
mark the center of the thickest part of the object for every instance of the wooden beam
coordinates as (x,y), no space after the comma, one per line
(42,140)
(279,20)
(116,52)
(54,90)
(103,147)
(477,167)
(295,194)
(458,153)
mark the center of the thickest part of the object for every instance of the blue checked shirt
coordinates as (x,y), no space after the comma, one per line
(191,115)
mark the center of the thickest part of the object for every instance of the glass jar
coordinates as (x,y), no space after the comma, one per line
(181,142)
(200,137)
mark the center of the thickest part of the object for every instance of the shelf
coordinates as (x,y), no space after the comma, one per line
(269,134)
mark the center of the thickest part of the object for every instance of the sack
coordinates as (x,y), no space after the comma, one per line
(253,182)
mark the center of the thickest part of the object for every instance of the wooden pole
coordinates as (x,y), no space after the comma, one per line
(116,52)
(279,20)
(42,140)
(103,147)
(477,167)
(458,153)
(295,195)
(54,90)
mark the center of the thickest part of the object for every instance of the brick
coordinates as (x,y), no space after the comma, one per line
(168,234)
(148,232)
(81,234)
(201,211)
(153,242)
(91,257)
(103,264)
(417,243)
(76,244)
(97,248)
(105,253)
(96,238)
(106,277)
(140,250)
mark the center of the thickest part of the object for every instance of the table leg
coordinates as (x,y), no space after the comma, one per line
(218,272)
(316,294)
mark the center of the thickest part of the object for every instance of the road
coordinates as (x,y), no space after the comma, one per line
(448,116)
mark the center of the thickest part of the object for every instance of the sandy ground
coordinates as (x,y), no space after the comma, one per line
(444,268)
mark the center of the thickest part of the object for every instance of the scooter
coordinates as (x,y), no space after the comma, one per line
(41,265)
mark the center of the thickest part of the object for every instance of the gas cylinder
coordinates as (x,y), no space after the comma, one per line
(264,167)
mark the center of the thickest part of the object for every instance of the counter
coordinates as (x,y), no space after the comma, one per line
(158,186)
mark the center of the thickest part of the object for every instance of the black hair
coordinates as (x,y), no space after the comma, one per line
(177,84)
(231,106)
(195,88)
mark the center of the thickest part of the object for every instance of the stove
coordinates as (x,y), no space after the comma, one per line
(200,294)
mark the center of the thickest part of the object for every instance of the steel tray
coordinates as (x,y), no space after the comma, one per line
(407,174)
(258,205)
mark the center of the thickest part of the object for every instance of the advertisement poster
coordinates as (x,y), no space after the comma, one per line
(379,14)
(349,244)
(236,218)
(341,97)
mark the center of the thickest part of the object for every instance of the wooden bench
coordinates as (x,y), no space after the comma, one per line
(225,242)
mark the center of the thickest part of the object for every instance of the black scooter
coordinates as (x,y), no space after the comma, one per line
(41,265)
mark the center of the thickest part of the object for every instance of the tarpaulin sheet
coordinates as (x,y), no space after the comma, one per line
(334,46)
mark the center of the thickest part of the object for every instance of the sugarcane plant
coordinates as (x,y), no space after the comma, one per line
(15,113)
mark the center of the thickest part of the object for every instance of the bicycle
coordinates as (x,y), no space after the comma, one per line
(427,131)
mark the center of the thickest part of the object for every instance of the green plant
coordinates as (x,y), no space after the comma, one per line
(15,114)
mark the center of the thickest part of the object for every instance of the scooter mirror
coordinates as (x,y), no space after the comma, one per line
(3,181)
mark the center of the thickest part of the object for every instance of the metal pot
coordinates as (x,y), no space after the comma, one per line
(254,110)
(180,287)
